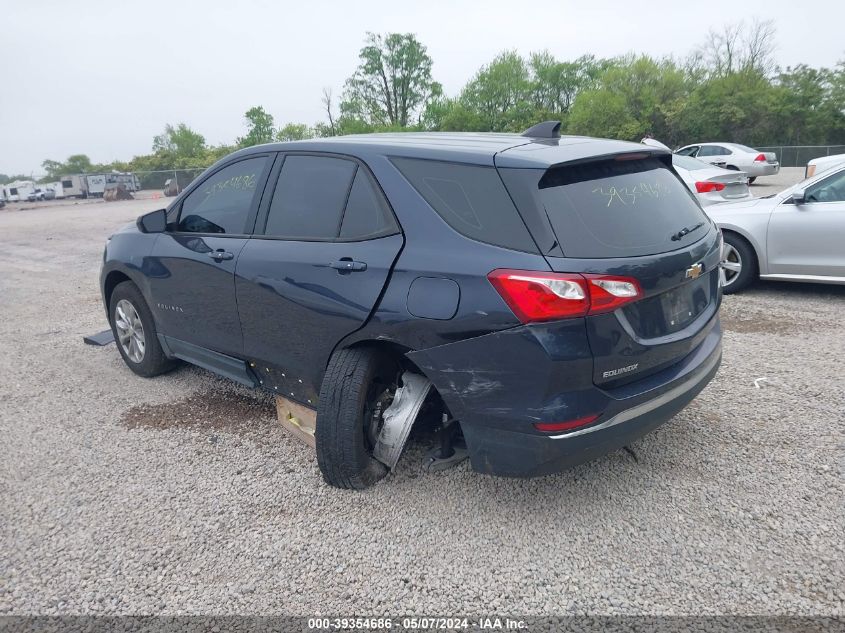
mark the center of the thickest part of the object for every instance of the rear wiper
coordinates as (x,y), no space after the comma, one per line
(689,229)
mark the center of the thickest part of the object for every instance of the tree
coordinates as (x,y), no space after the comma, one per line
(739,47)
(500,94)
(294,132)
(555,84)
(180,142)
(53,168)
(392,83)
(634,96)
(327,104)
(6,179)
(76,164)
(259,125)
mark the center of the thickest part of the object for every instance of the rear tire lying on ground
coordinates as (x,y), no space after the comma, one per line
(358,386)
(134,332)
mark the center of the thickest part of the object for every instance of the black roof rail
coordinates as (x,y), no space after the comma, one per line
(546,129)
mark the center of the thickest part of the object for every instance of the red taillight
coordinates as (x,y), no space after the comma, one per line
(569,425)
(539,296)
(761,158)
(607,293)
(707,187)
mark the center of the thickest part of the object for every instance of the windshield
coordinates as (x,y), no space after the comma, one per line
(616,208)
(689,163)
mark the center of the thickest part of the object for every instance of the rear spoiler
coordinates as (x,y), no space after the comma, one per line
(651,152)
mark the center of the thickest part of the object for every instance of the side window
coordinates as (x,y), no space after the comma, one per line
(222,202)
(367,214)
(722,151)
(687,151)
(310,197)
(831,189)
(471,199)
(708,150)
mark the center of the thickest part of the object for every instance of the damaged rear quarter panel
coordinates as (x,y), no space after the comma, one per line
(512,378)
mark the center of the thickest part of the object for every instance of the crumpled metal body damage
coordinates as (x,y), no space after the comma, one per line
(499,384)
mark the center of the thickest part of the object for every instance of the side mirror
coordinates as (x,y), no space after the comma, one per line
(153,222)
(798,196)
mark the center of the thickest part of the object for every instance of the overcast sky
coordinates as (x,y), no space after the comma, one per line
(102,78)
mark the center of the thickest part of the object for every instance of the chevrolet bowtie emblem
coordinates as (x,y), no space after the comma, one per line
(694,271)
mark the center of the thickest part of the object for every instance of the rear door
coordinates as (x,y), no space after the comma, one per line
(191,271)
(688,151)
(632,217)
(713,154)
(325,243)
(806,239)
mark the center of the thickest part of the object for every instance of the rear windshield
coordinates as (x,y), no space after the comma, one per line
(616,208)
(744,148)
(689,163)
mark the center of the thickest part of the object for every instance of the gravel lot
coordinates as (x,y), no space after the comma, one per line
(182,494)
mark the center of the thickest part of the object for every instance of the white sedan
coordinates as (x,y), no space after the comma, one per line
(795,235)
(734,156)
(711,184)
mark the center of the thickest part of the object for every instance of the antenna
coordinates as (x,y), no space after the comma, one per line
(546,129)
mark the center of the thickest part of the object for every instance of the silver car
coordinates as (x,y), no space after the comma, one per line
(710,184)
(734,156)
(794,235)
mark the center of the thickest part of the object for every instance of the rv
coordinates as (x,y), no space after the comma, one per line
(75,186)
(130,182)
(18,190)
(96,185)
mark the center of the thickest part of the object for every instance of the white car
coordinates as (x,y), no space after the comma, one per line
(823,163)
(711,184)
(734,156)
(794,235)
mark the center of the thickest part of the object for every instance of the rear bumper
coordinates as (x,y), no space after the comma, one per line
(497,407)
(763,169)
(511,454)
(714,197)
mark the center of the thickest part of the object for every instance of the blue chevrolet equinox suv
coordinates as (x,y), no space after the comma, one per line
(553,297)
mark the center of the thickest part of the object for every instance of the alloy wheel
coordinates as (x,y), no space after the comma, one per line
(731,264)
(130,330)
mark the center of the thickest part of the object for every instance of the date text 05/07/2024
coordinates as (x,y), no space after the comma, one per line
(417,623)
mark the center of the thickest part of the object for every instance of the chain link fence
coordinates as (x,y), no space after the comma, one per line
(799,155)
(169,181)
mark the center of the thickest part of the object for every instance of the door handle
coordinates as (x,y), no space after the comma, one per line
(348,265)
(220,255)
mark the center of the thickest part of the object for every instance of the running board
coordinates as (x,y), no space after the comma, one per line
(221,364)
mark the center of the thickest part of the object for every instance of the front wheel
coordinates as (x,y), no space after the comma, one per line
(738,263)
(135,333)
(358,387)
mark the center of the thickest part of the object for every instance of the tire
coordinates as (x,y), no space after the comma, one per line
(751,180)
(356,387)
(738,251)
(151,361)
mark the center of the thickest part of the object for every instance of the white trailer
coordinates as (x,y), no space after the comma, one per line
(130,182)
(75,186)
(96,185)
(18,190)
(57,188)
